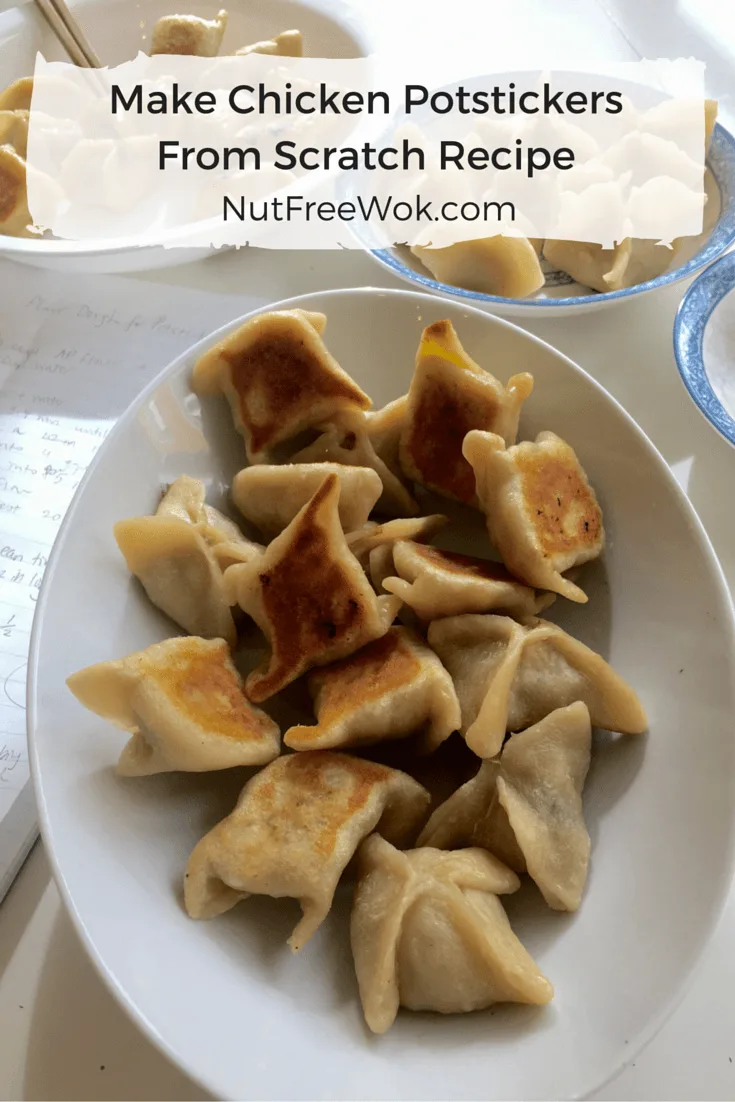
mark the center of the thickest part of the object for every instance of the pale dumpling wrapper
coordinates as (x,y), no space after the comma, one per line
(17,96)
(381,566)
(498,265)
(391,688)
(633,260)
(349,441)
(428,932)
(285,44)
(271,496)
(449,396)
(437,583)
(296,826)
(279,379)
(14,130)
(509,675)
(384,427)
(665,119)
(419,529)
(15,217)
(179,572)
(179,556)
(526,806)
(628,264)
(185,498)
(183,702)
(188,34)
(309,595)
(542,515)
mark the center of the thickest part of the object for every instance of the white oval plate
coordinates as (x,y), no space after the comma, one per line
(226,999)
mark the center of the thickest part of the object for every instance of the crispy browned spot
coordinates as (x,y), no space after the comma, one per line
(441,419)
(377,669)
(285,378)
(559,502)
(10,187)
(308,597)
(323,791)
(200,684)
(454,563)
(440,331)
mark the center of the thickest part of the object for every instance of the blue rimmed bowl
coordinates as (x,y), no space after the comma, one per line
(561,295)
(704,344)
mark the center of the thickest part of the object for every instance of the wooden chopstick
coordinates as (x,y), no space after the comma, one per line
(59,28)
(69,33)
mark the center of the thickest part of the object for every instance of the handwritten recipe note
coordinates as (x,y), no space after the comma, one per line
(74,352)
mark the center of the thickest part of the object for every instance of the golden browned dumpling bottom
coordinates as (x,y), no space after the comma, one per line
(309,595)
(182,701)
(189,35)
(279,379)
(450,395)
(204,689)
(566,516)
(392,688)
(294,829)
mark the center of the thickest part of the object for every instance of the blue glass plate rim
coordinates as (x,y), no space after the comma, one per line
(695,310)
(722,163)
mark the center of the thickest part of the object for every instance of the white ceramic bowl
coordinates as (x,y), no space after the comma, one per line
(226,999)
(119,29)
(561,296)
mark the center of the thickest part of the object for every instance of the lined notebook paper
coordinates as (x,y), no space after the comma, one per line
(74,352)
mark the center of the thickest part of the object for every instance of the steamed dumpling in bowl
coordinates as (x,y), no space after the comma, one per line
(633,260)
(15,217)
(286,44)
(14,130)
(188,34)
(17,96)
(499,265)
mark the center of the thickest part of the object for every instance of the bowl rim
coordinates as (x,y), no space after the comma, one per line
(695,309)
(721,238)
(307,301)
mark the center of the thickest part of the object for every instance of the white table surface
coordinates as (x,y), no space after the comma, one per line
(62,1036)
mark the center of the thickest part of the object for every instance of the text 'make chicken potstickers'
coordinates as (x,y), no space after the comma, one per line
(182,701)
(449,396)
(279,379)
(294,830)
(428,932)
(309,595)
(542,514)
